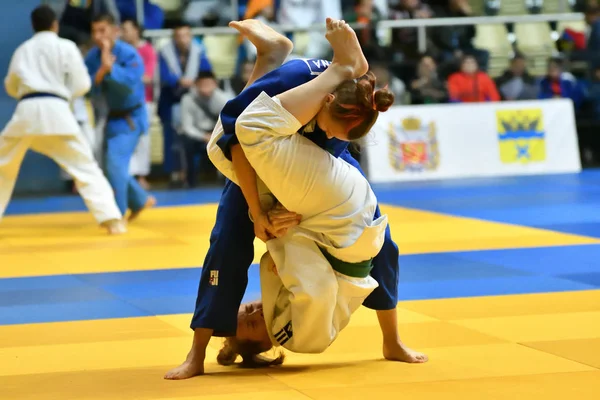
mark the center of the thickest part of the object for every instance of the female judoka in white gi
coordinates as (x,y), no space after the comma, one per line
(217,293)
(321,268)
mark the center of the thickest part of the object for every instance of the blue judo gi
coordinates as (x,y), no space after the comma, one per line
(125,95)
(231,249)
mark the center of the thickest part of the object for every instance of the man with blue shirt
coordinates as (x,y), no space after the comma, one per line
(117,72)
(180,62)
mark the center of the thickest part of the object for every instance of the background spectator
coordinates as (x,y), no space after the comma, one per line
(153,15)
(262,10)
(457,40)
(76,17)
(405,40)
(365,12)
(427,88)
(516,83)
(208,13)
(470,85)
(181,60)
(200,109)
(558,85)
(239,81)
(386,78)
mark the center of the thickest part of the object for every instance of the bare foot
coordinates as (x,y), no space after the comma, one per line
(399,352)
(346,48)
(193,366)
(115,227)
(151,202)
(268,42)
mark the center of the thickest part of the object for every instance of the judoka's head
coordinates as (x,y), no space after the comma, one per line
(251,339)
(352,109)
(182,36)
(43,18)
(104,30)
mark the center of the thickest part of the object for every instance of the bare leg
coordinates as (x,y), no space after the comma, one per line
(272,50)
(393,348)
(349,62)
(194,362)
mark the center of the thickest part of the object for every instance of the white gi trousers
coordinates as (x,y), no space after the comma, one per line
(307,303)
(47,126)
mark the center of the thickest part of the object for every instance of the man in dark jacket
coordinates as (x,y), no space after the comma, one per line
(516,83)
(453,42)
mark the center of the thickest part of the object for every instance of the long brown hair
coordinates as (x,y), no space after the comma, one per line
(358,104)
(250,353)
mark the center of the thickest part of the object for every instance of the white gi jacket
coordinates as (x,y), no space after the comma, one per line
(306,304)
(309,303)
(46,63)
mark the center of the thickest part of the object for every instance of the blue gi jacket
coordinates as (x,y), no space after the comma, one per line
(123,88)
(290,75)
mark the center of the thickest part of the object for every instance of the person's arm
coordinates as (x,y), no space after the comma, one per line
(12,80)
(288,76)
(80,81)
(247,180)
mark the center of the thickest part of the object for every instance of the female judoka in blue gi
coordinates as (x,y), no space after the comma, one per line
(224,275)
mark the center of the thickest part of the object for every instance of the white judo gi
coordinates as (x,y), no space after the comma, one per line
(307,303)
(48,64)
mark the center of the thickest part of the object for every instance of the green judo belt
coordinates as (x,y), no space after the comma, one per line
(355,270)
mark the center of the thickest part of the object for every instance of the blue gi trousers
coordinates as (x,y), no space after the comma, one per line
(120,143)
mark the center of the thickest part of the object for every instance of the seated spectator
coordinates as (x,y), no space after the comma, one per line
(516,83)
(405,40)
(180,62)
(386,78)
(200,109)
(236,84)
(556,84)
(470,85)
(457,40)
(76,18)
(427,88)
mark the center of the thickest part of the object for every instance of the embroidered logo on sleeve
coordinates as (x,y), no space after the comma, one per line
(214,278)
(284,334)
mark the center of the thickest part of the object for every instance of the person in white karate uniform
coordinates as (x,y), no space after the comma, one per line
(316,275)
(45,74)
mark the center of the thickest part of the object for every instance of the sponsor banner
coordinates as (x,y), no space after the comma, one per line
(473,140)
